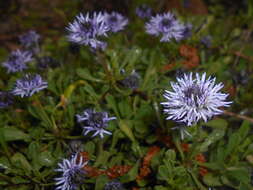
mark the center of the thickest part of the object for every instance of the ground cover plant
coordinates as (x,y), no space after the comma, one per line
(136,95)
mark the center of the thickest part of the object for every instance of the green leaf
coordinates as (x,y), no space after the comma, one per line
(244,129)
(18,180)
(20,161)
(13,134)
(125,126)
(212,180)
(159,187)
(102,158)
(233,143)
(125,109)
(100,182)
(112,104)
(46,159)
(217,123)
(170,155)
(90,147)
(85,74)
(239,173)
(216,135)
(131,175)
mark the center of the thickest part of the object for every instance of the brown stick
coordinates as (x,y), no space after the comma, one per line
(238,116)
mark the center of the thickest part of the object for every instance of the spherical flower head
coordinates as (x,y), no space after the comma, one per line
(72,173)
(95,121)
(114,185)
(132,81)
(192,99)
(187,33)
(167,26)
(115,21)
(6,99)
(143,11)
(29,39)
(87,29)
(17,61)
(207,41)
(28,85)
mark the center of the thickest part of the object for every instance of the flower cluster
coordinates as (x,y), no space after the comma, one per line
(114,185)
(193,99)
(17,61)
(6,99)
(132,81)
(90,28)
(95,121)
(143,11)
(115,21)
(72,173)
(29,39)
(166,25)
(87,29)
(28,85)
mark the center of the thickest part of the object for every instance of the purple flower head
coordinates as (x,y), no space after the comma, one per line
(95,121)
(115,21)
(47,62)
(143,11)
(17,61)
(167,26)
(114,185)
(28,85)
(87,29)
(207,41)
(29,39)
(72,173)
(187,33)
(6,99)
(192,99)
(131,81)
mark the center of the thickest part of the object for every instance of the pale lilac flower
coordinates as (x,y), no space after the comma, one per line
(115,21)
(95,121)
(6,99)
(131,81)
(29,39)
(114,185)
(207,41)
(167,26)
(28,85)
(72,173)
(88,29)
(143,11)
(192,99)
(187,33)
(17,61)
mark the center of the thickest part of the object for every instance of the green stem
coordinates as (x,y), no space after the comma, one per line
(100,144)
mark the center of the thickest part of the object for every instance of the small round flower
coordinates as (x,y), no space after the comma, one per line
(187,33)
(167,26)
(17,61)
(115,21)
(207,41)
(47,62)
(193,99)
(114,185)
(72,173)
(29,39)
(95,121)
(143,11)
(28,85)
(132,81)
(6,99)
(87,29)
